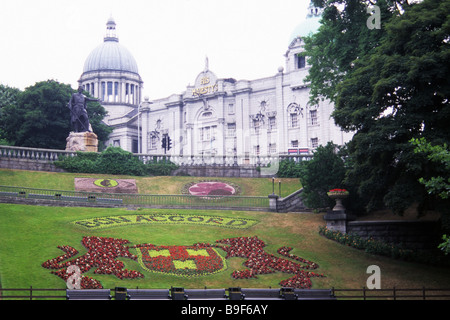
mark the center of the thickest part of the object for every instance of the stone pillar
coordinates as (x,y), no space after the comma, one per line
(273,199)
(337,221)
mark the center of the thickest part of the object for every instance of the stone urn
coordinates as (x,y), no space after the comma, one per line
(338,195)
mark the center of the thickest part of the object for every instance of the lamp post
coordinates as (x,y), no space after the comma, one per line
(279,188)
(273,185)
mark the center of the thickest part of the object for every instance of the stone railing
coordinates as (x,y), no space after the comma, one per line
(222,160)
(202,165)
(33,153)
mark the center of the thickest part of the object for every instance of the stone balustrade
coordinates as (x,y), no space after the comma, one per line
(201,165)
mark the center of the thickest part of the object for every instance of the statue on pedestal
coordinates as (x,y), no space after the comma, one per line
(78,112)
(81,138)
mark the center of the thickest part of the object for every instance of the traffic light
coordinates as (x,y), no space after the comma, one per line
(163,145)
(169,143)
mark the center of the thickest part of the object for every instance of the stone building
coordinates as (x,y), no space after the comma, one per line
(217,116)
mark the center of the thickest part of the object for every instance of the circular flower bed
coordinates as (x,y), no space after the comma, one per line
(106,183)
(211,188)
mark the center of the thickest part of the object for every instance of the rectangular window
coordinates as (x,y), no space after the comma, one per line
(110,88)
(272,148)
(314,142)
(294,120)
(301,62)
(135,146)
(294,143)
(153,142)
(313,117)
(231,130)
(272,123)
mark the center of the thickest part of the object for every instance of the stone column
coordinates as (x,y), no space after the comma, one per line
(273,199)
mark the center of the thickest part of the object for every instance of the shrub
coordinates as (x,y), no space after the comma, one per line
(164,168)
(113,160)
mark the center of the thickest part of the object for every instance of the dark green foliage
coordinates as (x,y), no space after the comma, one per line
(382,248)
(162,168)
(325,171)
(290,169)
(114,160)
(389,86)
(39,118)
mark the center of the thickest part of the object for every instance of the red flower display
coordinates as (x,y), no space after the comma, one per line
(199,259)
(261,262)
(102,254)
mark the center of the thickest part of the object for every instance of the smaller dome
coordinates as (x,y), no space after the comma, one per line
(308,26)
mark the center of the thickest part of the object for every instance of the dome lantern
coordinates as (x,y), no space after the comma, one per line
(111,30)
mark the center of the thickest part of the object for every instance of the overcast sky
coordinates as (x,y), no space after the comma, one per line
(51,39)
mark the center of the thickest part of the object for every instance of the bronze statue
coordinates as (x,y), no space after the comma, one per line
(79,117)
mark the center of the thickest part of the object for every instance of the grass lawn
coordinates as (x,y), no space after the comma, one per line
(147,185)
(29,235)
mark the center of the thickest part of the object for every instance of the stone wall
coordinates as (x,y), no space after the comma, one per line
(291,203)
(28,164)
(412,234)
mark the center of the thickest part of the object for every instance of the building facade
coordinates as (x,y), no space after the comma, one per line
(217,117)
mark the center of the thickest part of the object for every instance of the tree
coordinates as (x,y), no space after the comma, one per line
(315,183)
(394,90)
(8,96)
(40,118)
(342,39)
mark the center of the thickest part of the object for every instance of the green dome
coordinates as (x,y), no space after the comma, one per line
(305,28)
(310,25)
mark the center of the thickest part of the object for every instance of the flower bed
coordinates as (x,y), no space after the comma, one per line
(102,254)
(197,260)
(338,192)
(261,262)
(211,188)
(180,260)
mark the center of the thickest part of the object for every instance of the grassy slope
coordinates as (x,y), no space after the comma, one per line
(148,185)
(30,235)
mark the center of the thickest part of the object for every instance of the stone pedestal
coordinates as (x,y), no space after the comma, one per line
(82,141)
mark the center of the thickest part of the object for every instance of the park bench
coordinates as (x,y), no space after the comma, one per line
(41,196)
(108,200)
(314,294)
(9,194)
(205,294)
(148,294)
(73,198)
(88,294)
(177,293)
(235,294)
(261,294)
